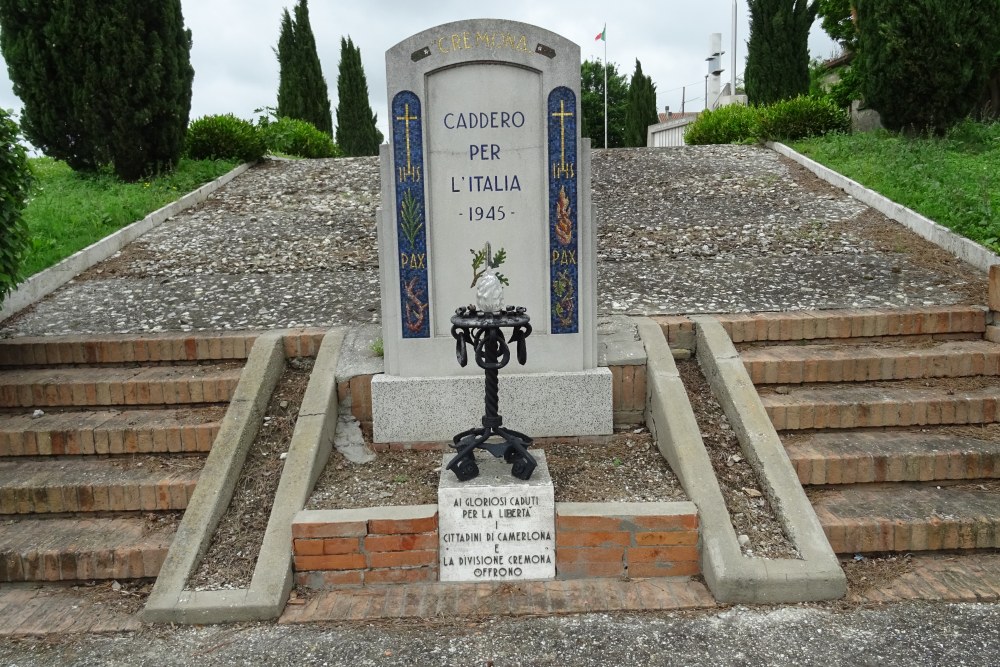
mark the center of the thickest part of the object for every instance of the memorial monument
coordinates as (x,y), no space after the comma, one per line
(486,151)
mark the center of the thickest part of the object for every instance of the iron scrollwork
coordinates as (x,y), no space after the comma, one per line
(491,349)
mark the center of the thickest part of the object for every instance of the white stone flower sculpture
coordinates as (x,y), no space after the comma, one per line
(489,293)
(489,284)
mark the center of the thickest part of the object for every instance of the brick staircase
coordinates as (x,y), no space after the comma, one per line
(890,420)
(101,444)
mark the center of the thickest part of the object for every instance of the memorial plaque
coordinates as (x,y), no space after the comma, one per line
(496,527)
(486,182)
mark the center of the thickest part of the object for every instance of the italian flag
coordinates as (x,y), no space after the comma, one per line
(603,35)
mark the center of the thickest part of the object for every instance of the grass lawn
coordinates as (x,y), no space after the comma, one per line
(954,180)
(69,211)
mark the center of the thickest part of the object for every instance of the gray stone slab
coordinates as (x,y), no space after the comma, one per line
(357,357)
(626,509)
(383,513)
(618,342)
(538,405)
(496,527)
(469,167)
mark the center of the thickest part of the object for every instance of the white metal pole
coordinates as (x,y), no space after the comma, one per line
(605,85)
(733,52)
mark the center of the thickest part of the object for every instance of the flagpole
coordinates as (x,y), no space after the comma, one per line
(605,40)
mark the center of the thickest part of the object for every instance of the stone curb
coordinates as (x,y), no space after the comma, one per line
(49,280)
(731,577)
(168,601)
(818,575)
(272,580)
(961,247)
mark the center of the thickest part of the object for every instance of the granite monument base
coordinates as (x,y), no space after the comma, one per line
(434,409)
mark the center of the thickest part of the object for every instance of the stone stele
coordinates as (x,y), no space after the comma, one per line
(485,147)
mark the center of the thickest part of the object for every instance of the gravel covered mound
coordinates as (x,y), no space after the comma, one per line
(680,230)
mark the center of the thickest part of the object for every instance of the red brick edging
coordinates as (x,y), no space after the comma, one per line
(395,545)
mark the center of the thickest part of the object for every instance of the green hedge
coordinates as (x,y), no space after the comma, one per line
(732,124)
(224,137)
(796,118)
(799,118)
(297,137)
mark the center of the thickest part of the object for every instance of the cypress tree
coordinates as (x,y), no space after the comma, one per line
(778,49)
(102,81)
(302,91)
(357,133)
(641,111)
(926,64)
(288,85)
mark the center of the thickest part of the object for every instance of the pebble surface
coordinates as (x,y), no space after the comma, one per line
(680,230)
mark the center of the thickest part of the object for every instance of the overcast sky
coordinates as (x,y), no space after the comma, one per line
(236,70)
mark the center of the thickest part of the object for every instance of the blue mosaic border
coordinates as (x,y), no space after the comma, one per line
(564,297)
(411,217)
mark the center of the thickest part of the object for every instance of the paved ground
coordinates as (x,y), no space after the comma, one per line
(904,634)
(716,229)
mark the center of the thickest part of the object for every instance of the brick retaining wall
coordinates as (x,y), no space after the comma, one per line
(390,545)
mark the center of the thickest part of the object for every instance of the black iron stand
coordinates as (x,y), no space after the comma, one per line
(483,331)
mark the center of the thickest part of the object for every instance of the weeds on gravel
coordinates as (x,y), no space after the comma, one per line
(953,180)
(69,211)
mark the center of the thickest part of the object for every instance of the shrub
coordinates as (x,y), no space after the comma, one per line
(801,117)
(224,137)
(297,137)
(15,185)
(848,88)
(730,124)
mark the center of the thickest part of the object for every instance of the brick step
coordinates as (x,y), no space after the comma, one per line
(890,404)
(82,549)
(141,483)
(910,517)
(160,385)
(796,364)
(161,348)
(185,430)
(78,349)
(847,324)
(891,456)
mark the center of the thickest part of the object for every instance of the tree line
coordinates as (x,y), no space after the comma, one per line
(923,65)
(107,83)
